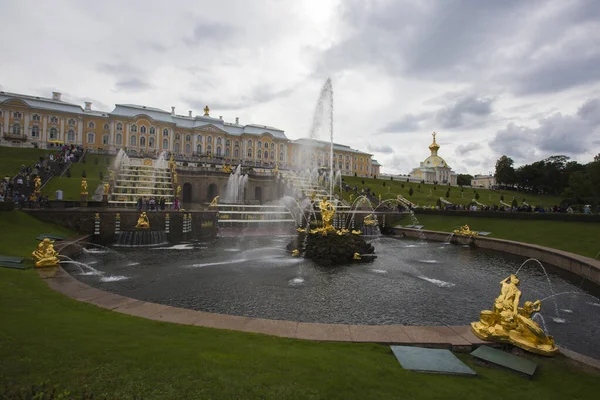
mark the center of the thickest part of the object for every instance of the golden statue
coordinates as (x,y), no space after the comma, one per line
(84,186)
(369,220)
(295,253)
(111,175)
(509,323)
(106,189)
(276,170)
(465,231)
(206,111)
(214,202)
(327,212)
(356,256)
(351,197)
(226,168)
(143,222)
(45,255)
(301,230)
(356,232)
(178,195)
(38,184)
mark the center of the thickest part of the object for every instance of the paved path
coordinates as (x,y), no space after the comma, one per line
(457,338)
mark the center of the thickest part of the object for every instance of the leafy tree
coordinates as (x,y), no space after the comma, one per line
(464,179)
(514,203)
(410,191)
(476,196)
(505,172)
(448,193)
(383,184)
(502,197)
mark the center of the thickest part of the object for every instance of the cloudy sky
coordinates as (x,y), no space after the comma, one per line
(514,77)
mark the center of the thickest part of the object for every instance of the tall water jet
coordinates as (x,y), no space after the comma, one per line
(323,120)
(236,185)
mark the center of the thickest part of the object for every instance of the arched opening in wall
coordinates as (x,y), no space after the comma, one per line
(187,192)
(212,191)
(258,194)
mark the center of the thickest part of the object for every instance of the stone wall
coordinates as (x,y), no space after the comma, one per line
(513,215)
(585,267)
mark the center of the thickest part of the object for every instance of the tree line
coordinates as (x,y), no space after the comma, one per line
(557,175)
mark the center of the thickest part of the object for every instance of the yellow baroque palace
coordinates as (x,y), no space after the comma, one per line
(33,121)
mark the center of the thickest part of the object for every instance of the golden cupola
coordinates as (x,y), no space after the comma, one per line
(434,147)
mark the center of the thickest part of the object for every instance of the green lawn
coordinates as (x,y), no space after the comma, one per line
(45,336)
(71,187)
(11,159)
(426,195)
(576,237)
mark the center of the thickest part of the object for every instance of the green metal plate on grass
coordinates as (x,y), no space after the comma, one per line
(505,359)
(50,236)
(10,259)
(435,361)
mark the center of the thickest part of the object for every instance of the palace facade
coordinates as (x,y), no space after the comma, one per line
(33,121)
(434,169)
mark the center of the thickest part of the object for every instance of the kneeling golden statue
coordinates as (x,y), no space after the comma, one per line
(143,222)
(45,255)
(509,323)
(465,231)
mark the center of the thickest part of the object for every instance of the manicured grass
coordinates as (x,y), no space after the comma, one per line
(18,231)
(71,187)
(11,159)
(427,196)
(45,336)
(576,237)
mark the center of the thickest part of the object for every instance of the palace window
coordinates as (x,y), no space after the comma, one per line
(219,141)
(227,152)
(106,127)
(266,154)
(227,143)
(188,148)
(133,128)
(236,153)
(119,139)
(237,144)
(272,155)
(17,115)
(36,117)
(133,140)
(70,135)
(142,129)
(151,141)
(165,132)
(259,145)
(266,145)
(119,126)
(188,138)
(142,141)
(91,125)
(177,148)
(199,148)
(91,138)
(249,143)
(209,139)
(152,130)
(199,138)
(208,150)
(218,151)
(281,157)
(249,153)
(105,139)
(35,132)
(53,120)
(53,134)
(165,144)
(259,153)
(177,136)
(272,146)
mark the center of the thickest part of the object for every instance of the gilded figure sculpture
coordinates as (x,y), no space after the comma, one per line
(369,220)
(465,231)
(295,253)
(45,255)
(327,212)
(106,189)
(509,323)
(84,186)
(214,202)
(354,232)
(178,195)
(38,184)
(143,222)
(206,111)
(356,256)
(226,169)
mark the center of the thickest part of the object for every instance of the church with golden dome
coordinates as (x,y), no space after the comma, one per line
(434,169)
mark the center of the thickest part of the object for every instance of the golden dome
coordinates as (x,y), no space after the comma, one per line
(434,147)
(435,161)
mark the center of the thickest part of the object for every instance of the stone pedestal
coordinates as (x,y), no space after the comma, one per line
(83,199)
(105,198)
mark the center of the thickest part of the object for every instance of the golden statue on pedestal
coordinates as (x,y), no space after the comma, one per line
(295,253)
(178,195)
(84,186)
(206,111)
(226,168)
(38,185)
(509,323)
(143,222)
(45,255)
(106,189)
(369,220)
(356,256)
(327,212)
(465,231)
(214,202)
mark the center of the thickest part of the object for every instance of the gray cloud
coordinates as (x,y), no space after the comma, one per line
(458,113)
(380,149)
(127,76)
(556,134)
(259,94)
(463,149)
(209,31)
(408,123)
(133,84)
